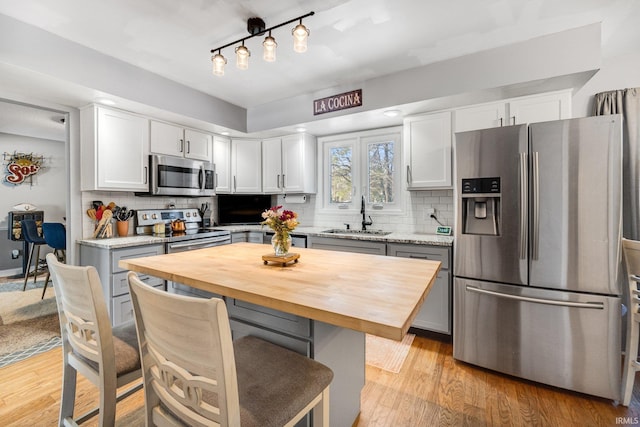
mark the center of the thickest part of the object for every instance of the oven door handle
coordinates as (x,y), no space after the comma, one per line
(195,244)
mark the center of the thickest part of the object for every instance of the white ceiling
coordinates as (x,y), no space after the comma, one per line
(350,41)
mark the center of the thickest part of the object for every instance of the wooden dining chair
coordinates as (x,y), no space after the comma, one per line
(631,252)
(195,375)
(108,357)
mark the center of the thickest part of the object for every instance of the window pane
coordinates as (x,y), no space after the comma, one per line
(341,178)
(380,168)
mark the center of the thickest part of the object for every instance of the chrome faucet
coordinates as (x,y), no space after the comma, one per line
(364,216)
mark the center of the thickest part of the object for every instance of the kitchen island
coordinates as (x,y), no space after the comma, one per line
(322,306)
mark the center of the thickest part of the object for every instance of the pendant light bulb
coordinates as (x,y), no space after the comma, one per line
(219,62)
(242,57)
(269,52)
(300,34)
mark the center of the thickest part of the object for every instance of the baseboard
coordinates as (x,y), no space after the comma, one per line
(11,272)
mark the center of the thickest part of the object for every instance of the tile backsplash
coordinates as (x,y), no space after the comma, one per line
(413,219)
(131,201)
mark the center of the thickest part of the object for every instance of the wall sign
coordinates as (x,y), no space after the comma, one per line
(337,102)
(21,166)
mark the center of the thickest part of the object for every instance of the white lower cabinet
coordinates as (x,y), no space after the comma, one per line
(115,287)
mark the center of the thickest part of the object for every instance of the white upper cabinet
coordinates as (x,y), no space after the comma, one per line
(289,164)
(528,109)
(480,116)
(540,108)
(427,155)
(272,166)
(246,166)
(114,150)
(177,141)
(222,161)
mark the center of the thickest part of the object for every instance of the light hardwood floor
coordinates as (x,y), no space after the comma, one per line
(431,390)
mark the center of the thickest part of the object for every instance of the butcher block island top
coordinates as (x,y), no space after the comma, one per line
(374,294)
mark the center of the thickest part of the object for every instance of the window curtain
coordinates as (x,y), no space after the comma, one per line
(627,103)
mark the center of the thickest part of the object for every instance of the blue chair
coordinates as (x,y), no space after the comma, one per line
(55,235)
(31,236)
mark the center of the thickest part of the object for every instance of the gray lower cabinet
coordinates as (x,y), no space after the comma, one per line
(347,245)
(436,312)
(342,350)
(180,289)
(115,287)
(247,236)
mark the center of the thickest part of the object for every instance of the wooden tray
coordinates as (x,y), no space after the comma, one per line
(282,259)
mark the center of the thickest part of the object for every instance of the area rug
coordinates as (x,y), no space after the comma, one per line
(387,354)
(28,324)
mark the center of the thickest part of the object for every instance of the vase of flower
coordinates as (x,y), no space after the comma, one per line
(282,222)
(281,243)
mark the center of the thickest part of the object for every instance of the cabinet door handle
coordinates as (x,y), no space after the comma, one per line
(408,175)
(235,186)
(188,146)
(514,119)
(500,121)
(278,180)
(146,175)
(282,180)
(181,145)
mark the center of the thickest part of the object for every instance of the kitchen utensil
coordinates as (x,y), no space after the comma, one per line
(104,226)
(123,214)
(91,213)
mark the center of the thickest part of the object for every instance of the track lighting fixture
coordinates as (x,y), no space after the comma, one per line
(256,27)
(242,57)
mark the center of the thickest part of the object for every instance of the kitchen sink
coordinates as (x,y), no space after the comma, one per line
(366,232)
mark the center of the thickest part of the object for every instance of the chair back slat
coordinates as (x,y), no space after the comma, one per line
(187,354)
(84,321)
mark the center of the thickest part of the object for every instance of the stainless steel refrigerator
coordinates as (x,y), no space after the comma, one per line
(537,256)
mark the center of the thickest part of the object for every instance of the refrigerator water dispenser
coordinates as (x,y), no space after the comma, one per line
(481,206)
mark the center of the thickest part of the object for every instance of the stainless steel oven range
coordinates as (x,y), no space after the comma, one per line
(190,236)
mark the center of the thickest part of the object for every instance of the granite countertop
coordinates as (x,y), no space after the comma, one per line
(123,242)
(393,237)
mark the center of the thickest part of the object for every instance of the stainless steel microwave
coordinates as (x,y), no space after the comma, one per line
(175,176)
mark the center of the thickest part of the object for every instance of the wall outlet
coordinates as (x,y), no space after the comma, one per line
(430,211)
(15,254)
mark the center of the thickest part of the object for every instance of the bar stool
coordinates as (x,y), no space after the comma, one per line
(631,251)
(31,236)
(56,237)
(248,382)
(108,357)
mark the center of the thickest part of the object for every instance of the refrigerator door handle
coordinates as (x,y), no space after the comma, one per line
(591,305)
(535,234)
(523,205)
